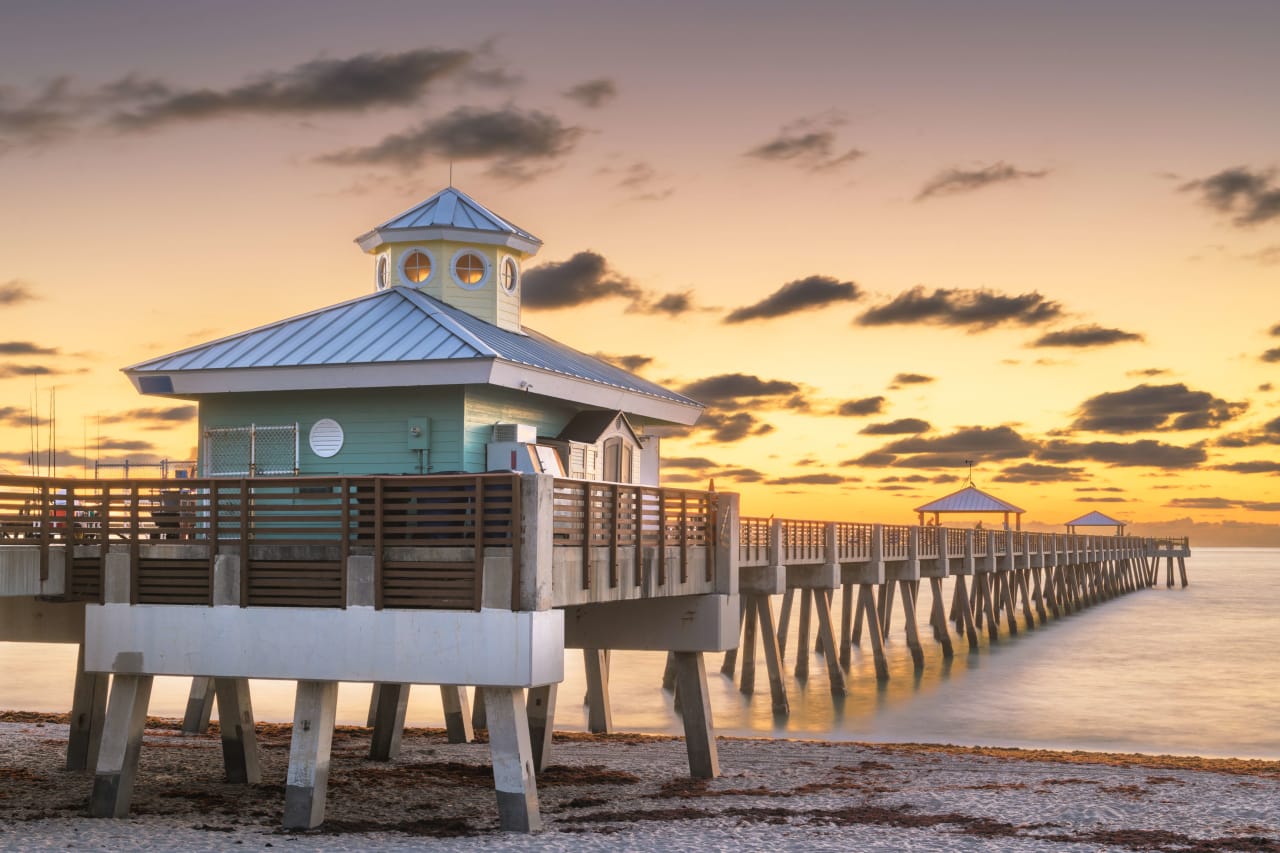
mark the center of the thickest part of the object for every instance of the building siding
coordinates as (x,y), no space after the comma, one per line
(374,424)
(486,406)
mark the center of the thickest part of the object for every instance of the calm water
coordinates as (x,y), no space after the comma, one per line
(1194,671)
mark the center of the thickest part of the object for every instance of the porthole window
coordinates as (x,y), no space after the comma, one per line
(470,269)
(416,266)
(510,275)
(380,273)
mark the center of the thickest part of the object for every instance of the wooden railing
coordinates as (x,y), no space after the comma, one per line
(614,516)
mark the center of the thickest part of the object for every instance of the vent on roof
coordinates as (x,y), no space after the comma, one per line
(522,433)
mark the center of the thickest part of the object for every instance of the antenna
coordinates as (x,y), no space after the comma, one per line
(451,174)
(969,462)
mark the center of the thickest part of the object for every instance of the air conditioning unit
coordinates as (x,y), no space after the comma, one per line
(519,433)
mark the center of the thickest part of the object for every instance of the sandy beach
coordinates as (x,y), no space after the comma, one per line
(632,792)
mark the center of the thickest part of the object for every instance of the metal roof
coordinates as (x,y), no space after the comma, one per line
(969,499)
(1095,519)
(397,325)
(452,208)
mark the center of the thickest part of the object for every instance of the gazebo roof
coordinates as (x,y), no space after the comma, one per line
(1095,519)
(969,499)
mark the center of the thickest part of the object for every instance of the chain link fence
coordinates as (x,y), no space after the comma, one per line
(252,451)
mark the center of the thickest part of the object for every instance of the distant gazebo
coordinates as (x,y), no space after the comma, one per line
(1096,519)
(971,499)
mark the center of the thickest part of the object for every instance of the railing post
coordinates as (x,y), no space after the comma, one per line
(776,557)
(723,545)
(244,543)
(532,585)
(379,522)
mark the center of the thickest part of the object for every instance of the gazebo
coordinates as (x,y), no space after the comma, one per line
(971,499)
(1096,519)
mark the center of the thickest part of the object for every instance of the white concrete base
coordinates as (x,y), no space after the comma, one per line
(489,647)
(20,571)
(695,623)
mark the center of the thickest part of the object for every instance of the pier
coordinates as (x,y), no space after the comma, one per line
(480,580)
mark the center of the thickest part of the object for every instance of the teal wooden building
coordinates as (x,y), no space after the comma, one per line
(432,372)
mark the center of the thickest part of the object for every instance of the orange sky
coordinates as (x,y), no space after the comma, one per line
(1085,195)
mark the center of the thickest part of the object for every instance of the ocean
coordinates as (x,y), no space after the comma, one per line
(1192,671)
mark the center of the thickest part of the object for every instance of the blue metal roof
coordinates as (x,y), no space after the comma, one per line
(1095,519)
(452,208)
(396,325)
(969,499)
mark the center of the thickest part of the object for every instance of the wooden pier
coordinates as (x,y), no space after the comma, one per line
(482,581)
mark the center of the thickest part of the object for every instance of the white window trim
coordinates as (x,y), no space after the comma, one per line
(515,279)
(382,271)
(453,262)
(404,277)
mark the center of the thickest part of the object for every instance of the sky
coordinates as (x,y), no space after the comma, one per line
(878,240)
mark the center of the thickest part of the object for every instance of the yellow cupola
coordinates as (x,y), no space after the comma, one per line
(453,248)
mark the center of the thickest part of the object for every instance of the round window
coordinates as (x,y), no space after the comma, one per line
(380,273)
(417,266)
(469,269)
(510,275)
(326,438)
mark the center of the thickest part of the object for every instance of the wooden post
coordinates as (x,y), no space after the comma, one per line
(867,604)
(388,724)
(966,613)
(88,713)
(822,600)
(846,625)
(772,655)
(695,709)
(512,755)
(748,646)
(909,620)
(479,719)
(938,618)
(239,738)
(541,709)
(731,656)
(802,641)
(457,713)
(121,745)
(599,714)
(314,712)
(199,706)
(669,673)
(784,621)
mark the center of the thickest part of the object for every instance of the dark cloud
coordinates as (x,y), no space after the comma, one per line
(321,86)
(1265,387)
(910,478)
(8,371)
(593,94)
(585,277)
(1224,503)
(1249,197)
(157,414)
(1086,336)
(956,181)
(518,144)
(733,426)
(812,480)
(904,379)
(25,348)
(1151,407)
(633,363)
(125,445)
(1145,453)
(1031,472)
(1148,372)
(682,478)
(1268,433)
(1098,489)
(18,417)
(1274,331)
(641,181)
(902,426)
(39,120)
(1271,356)
(803,294)
(737,388)
(741,475)
(810,144)
(1257,466)
(861,408)
(16,292)
(951,451)
(975,309)
(696,462)
(673,304)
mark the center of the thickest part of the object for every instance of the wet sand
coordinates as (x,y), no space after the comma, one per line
(633,792)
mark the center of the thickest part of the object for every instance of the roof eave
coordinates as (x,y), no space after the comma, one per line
(372,240)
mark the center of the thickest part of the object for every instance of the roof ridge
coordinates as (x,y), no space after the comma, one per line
(435,309)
